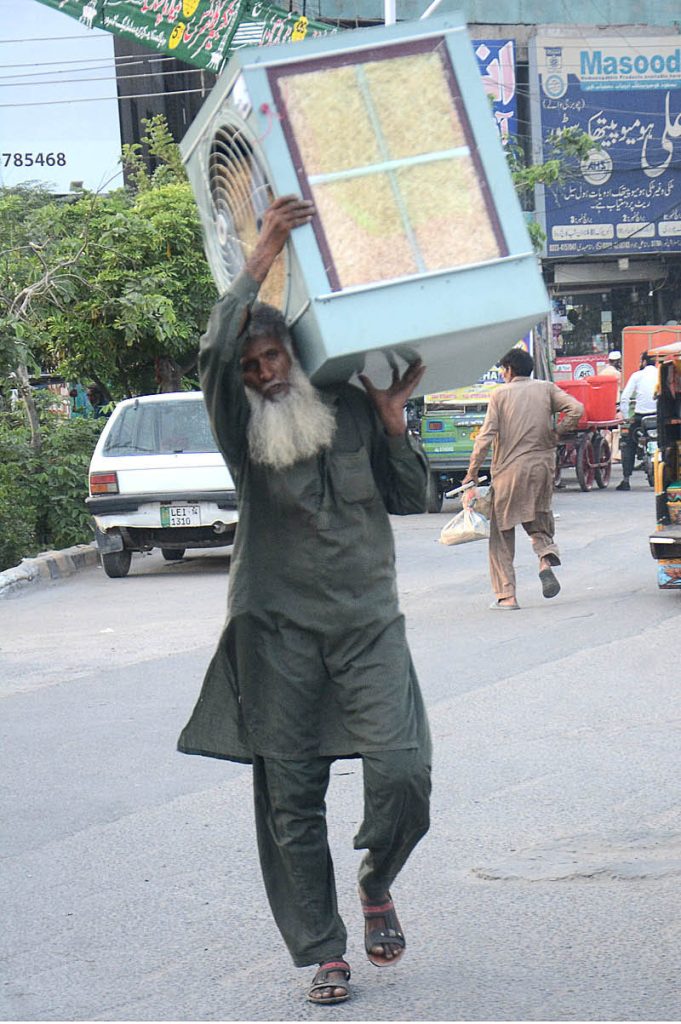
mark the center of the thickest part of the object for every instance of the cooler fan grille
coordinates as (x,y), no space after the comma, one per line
(240,194)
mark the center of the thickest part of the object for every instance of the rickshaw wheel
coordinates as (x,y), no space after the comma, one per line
(586,472)
(603,458)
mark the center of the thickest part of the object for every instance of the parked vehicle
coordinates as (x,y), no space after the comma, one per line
(449,425)
(157,480)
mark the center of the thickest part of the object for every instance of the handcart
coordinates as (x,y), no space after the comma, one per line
(588,448)
(588,451)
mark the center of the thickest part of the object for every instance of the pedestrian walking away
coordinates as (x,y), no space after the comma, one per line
(313,662)
(520,425)
(640,389)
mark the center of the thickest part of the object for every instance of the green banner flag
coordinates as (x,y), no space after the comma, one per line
(200,32)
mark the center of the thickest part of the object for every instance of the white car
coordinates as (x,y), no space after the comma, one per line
(157,480)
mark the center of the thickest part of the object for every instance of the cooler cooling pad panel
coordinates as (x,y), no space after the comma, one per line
(392,168)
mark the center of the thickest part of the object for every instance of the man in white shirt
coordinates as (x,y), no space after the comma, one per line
(640,389)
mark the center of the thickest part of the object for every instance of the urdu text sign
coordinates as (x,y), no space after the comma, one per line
(626,197)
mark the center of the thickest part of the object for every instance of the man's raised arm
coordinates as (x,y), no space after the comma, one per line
(219,369)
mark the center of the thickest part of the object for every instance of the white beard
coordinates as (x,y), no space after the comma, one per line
(290,428)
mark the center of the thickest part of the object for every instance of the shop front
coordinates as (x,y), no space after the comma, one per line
(592,302)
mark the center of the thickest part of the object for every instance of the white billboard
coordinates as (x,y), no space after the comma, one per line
(59,120)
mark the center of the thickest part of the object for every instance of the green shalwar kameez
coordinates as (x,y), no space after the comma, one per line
(313,663)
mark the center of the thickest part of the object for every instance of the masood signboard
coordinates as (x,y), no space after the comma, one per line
(625,91)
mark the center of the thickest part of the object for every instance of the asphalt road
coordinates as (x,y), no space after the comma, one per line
(548,887)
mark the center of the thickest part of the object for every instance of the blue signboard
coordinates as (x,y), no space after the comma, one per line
(496,60)
(625,198)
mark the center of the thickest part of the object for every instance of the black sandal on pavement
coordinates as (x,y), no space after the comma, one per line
(549,583)
(389,935)
(321,980)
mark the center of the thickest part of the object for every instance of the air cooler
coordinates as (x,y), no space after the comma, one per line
(419,246)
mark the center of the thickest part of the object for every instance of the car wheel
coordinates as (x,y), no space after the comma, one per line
(173,554)
(117,563)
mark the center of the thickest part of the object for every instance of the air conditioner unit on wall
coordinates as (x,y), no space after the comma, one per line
(419,247)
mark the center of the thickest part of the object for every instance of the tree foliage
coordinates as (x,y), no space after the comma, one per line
(565,149)
(109,288)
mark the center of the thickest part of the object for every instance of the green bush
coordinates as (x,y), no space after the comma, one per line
(42,493)
(18,514)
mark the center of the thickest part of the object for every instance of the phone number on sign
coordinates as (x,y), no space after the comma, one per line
(31,159)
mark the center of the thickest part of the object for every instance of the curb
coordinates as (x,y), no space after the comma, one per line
(50,565)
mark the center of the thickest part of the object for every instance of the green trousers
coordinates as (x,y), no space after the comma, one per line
(290,815)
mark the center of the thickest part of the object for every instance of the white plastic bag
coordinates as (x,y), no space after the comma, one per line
(480,499)
(466,526)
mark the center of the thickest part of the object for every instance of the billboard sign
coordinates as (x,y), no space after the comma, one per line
(496,60)
(199,32)
(481,390)
(625,198)
(59,120)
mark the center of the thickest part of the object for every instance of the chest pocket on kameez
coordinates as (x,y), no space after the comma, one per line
(351,476)
(297,488)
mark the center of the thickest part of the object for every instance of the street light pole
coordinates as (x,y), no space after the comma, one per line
(390,11)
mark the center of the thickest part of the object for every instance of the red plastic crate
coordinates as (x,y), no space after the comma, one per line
(601,403)
(579,390)
(598,395)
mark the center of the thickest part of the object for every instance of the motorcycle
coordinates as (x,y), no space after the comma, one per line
(646,444)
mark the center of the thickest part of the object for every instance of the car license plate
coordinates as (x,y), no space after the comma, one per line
(180,515)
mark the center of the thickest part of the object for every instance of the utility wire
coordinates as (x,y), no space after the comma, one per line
(93,34)
(101,62)
(101,99)
(102,78)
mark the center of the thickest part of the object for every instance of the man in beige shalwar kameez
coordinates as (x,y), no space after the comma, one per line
(520,423)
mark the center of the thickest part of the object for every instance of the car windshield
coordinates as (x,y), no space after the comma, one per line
(161,428)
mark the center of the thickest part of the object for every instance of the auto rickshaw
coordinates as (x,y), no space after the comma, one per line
(665,543)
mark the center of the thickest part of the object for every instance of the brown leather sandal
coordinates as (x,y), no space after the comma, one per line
(390,934)
(321,980)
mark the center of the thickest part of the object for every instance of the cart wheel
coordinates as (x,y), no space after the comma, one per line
(558,467)
(603,460)
(586,472)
